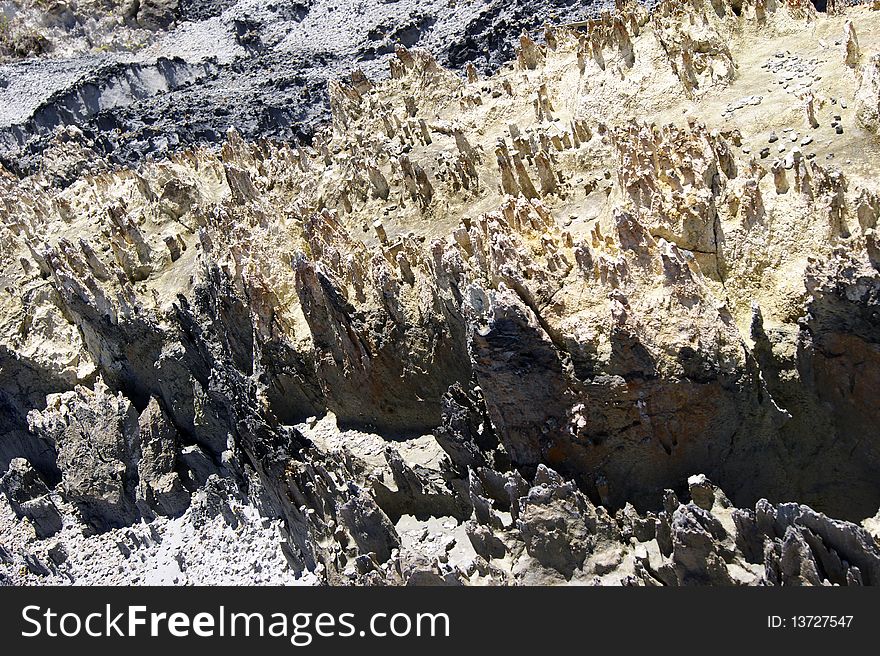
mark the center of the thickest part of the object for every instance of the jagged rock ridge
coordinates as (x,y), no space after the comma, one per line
(482,329)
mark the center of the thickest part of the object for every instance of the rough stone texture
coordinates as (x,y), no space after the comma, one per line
(868,96)
(221,538)
(155,76)
(159,486)
(95,432)
(156,14)
(517,327)
(29,497)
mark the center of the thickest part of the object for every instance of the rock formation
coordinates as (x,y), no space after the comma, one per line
(510,328)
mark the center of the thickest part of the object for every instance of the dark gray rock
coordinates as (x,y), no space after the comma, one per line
(371,529)
(95,433)
(157,14)
(29,497)
(159,485)
(697,553)
(557,522)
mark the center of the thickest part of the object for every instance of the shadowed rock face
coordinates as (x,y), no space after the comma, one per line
(510,328)
(29,497)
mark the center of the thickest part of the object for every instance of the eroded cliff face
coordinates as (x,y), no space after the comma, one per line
(504,329)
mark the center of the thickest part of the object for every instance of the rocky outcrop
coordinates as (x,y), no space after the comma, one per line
(159,485)
(114,464)
(29,497)
(94,432)
(156,14)
(868,96)
(508,328)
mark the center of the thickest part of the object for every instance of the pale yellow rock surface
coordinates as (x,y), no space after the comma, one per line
(650,243)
